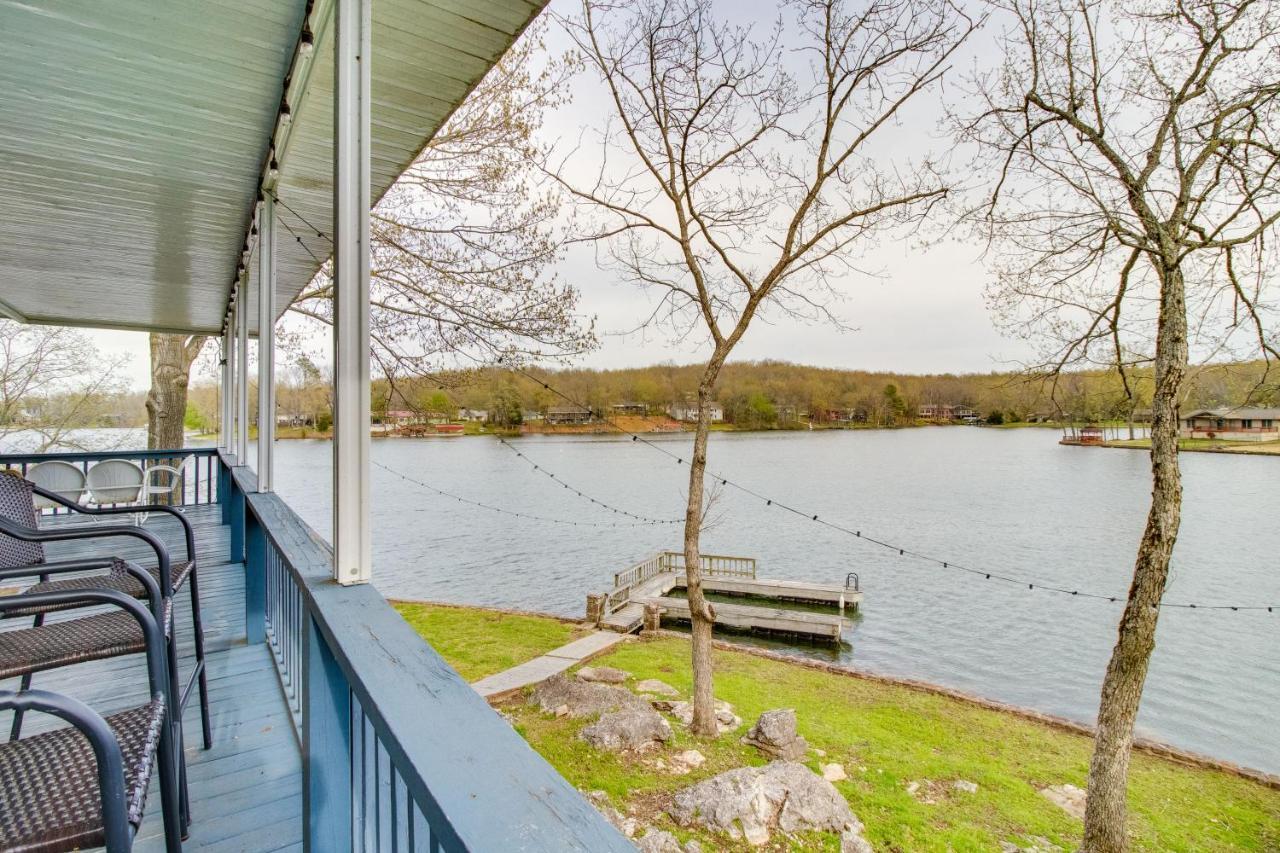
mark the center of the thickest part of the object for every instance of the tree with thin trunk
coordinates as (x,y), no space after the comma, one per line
(171,360)
(1135,154)
(736,185)
(52,383)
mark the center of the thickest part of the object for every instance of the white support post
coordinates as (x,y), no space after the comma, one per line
(229,390)
(242,374)
(224,391)
(352,542)
(266,342)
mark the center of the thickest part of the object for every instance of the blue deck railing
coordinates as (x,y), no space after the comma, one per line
(399,753)
(198,483)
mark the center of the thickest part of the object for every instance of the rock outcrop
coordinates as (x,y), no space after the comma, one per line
(1069,798)
(603,675)
(560,695)
(753,802)
(774,734)
(657,688)
(627,730)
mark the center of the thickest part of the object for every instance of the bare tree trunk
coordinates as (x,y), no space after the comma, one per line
(1106,810)
(171,359)
(701,614)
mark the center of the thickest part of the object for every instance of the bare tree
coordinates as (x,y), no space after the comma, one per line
(734,186)
(464,245)
(171,360)
(52,382)
(1136,152)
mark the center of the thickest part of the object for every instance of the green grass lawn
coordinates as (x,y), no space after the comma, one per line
(481,642)
(1264,448)
(885,736)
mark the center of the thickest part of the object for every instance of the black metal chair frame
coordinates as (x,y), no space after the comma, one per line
(117,829)
(31,600)
(198,675)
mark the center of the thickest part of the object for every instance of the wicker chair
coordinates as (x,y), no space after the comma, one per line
(86,785)
(21,547)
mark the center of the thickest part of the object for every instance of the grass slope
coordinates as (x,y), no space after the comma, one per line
(885,736)
(481,642)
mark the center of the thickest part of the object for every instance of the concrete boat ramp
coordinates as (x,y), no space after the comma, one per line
(642,597)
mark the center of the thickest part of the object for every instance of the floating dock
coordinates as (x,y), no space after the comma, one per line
(648,587)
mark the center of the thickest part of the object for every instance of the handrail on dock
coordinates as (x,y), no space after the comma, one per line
(673,561)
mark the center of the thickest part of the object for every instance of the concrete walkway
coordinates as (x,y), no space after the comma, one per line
(542,668)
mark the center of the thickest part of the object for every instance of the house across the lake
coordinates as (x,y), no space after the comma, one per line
(688,412)
(1237,423)
(629,407)
(567,415)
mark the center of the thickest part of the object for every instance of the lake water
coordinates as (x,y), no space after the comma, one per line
(1013,501)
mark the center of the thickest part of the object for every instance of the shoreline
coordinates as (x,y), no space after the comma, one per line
(1142,744)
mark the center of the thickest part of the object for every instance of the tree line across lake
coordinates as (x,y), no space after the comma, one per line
(764,394)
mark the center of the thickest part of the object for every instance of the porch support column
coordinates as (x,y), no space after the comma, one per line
(229,390)
(352,548)
(242,374)
(266,342)
(224,390)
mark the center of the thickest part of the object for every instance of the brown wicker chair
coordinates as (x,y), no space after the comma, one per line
(26,551)
(86,784)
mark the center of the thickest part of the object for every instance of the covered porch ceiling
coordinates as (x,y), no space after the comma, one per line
(135,135)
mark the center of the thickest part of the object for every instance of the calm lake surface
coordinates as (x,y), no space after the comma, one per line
(1011,500)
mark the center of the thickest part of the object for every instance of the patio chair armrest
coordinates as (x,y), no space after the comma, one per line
(188,532)
(31,534)
(106,751)
(43,569)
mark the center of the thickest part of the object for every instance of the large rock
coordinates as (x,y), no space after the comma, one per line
(630,729)
(1069,798)
(661,841)
(659,688)
(559,695)
(753,802)
(726,720)
(603,674)
(774,734)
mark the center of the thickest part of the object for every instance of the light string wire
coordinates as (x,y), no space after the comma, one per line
(902,550)
(544,471)
(511,512)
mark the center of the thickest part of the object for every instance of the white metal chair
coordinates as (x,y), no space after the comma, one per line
(116,482)
(57,476)
(151,489)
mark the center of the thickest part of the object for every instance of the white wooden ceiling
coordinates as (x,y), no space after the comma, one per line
(133,134)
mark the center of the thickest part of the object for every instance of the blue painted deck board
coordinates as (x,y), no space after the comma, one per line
(247,791)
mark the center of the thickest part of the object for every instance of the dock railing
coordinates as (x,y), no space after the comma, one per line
(399,753)
(713,565)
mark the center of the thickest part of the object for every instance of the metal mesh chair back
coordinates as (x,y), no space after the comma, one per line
(115,481)
(16,505)
(59,477)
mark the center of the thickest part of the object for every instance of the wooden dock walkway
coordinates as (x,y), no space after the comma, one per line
(651,583)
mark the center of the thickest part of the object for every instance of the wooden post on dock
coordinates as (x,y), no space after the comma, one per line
(652,617)
(595,607)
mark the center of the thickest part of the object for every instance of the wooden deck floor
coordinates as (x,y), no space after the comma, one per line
(247,791)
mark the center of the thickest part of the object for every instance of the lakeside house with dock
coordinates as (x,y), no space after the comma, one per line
(1239,423)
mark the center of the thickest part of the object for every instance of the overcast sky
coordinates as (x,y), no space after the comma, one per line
(922,312)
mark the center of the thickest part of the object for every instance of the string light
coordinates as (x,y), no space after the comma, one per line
(903,551)
(546,473)
(514,513)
